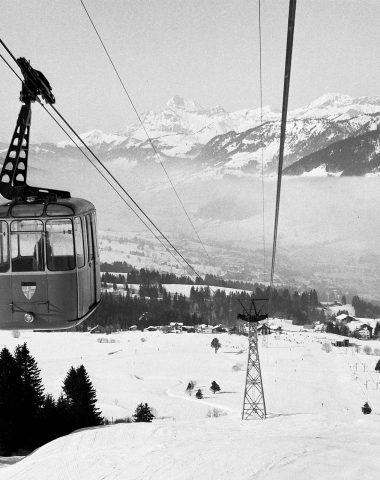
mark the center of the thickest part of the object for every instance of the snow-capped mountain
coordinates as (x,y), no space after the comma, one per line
(330,118)
(221,142)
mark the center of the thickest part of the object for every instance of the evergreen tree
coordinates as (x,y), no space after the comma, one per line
(79,391)
(32,395)
(48,426)
(10,404)
(64,417)
(216,344)
(376,332)
(366,409)
(330,327)
(199,394)
(214,387)
(190,387)
(377,368)
(143,413)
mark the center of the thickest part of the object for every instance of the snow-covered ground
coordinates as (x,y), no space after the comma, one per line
(314,430)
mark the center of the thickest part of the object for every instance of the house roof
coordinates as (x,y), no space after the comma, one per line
(357,325)
(344,316)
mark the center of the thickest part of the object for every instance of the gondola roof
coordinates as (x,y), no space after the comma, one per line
(61,207)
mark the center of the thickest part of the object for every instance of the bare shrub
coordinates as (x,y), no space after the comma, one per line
(16,333)
(123,420)
(143,339)
(237,367)
(367,349)
(376,351)
(326,347)
(215,412)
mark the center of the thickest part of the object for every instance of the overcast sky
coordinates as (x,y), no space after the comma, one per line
(206,50)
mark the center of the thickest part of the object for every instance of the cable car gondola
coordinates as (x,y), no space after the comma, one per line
(49,260)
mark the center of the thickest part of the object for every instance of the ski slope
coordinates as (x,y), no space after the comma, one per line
(314,429)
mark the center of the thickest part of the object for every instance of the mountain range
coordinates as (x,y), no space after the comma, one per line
(214,141)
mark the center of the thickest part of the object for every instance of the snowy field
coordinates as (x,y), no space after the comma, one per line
(314,430)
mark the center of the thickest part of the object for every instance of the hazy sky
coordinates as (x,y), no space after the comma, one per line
(203,49)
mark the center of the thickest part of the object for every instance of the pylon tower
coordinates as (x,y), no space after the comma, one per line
(254,400)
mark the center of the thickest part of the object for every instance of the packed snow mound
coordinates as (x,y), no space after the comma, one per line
(293,447)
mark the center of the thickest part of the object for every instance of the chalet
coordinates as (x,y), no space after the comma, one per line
(319,327)
(360,329)
(219,329)
(176,326)
(364,331)
(344,318)
(188,328)
(203,328)
(264,329)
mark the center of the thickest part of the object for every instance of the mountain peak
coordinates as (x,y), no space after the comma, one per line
(331,99)
(182,103)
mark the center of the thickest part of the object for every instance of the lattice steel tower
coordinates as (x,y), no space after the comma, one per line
(254,400)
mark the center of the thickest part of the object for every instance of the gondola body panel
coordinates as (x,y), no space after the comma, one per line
(5,301)
(63,297)
(30,296)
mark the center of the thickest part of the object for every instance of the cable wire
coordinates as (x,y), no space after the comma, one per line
(262,140)
(145,130)
(288,63)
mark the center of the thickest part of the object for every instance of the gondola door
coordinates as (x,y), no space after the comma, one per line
(29,282)
(91,260)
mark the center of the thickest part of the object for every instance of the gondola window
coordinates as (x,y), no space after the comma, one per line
(60,245)
(27,246)
(79,247)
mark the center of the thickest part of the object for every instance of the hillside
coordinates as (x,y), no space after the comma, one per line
(314,429)
(354,156)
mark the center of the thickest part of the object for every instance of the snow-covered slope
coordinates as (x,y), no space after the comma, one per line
(314,429)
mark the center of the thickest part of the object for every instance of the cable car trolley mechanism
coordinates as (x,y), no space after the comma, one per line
(49,260)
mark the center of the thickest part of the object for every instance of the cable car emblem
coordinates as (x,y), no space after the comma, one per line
(28,289)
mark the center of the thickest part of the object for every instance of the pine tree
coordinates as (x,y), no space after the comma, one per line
(214,387)
(64,417)
(377,368)
(81,394)
(190,387)
(216,344)
(10,404)
(32,395)
(199,394)
(143,413)
(376,332)
(48,420)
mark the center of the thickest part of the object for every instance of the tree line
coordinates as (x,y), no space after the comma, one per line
(111,273)
(155,306)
